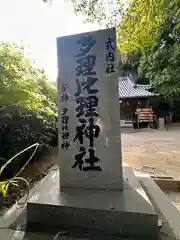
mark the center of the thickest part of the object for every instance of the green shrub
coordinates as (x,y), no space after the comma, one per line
(20,128)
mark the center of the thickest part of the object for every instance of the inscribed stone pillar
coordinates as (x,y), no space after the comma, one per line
(89,123)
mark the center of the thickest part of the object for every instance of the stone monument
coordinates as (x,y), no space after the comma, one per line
(90,153)
(88,193)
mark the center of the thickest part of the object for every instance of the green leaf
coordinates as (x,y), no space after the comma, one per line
(14,183)
(140,24)
(36,145)
(4,188)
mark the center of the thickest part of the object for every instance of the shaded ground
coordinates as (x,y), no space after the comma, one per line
(156,149)
(33,173)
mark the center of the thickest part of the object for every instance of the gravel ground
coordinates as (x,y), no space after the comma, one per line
(155,149)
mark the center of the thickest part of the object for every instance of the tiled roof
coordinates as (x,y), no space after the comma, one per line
(127,89)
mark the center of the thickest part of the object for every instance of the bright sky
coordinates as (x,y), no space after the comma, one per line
(36,25)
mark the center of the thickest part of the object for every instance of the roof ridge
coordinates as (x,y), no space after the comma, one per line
(127,89)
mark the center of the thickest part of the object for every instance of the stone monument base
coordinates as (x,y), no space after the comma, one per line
(118,213)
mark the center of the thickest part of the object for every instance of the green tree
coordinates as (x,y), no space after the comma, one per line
(46,87)
(137,26)
(105,12)
(14,87)
(128,64)
(161,63)
(140,24)
(23,85)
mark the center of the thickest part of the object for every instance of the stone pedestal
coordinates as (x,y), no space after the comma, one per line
(115,213)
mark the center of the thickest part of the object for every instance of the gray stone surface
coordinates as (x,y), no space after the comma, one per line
(163,205)
(161,124)
(99,211)
(14,213)
(133,181)
(107,145)
(9,234)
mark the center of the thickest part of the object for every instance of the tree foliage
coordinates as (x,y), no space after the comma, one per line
(28,106)
(161,63)
(140,24)
(23,85)
(128,64)
(137,26)
(107,13)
